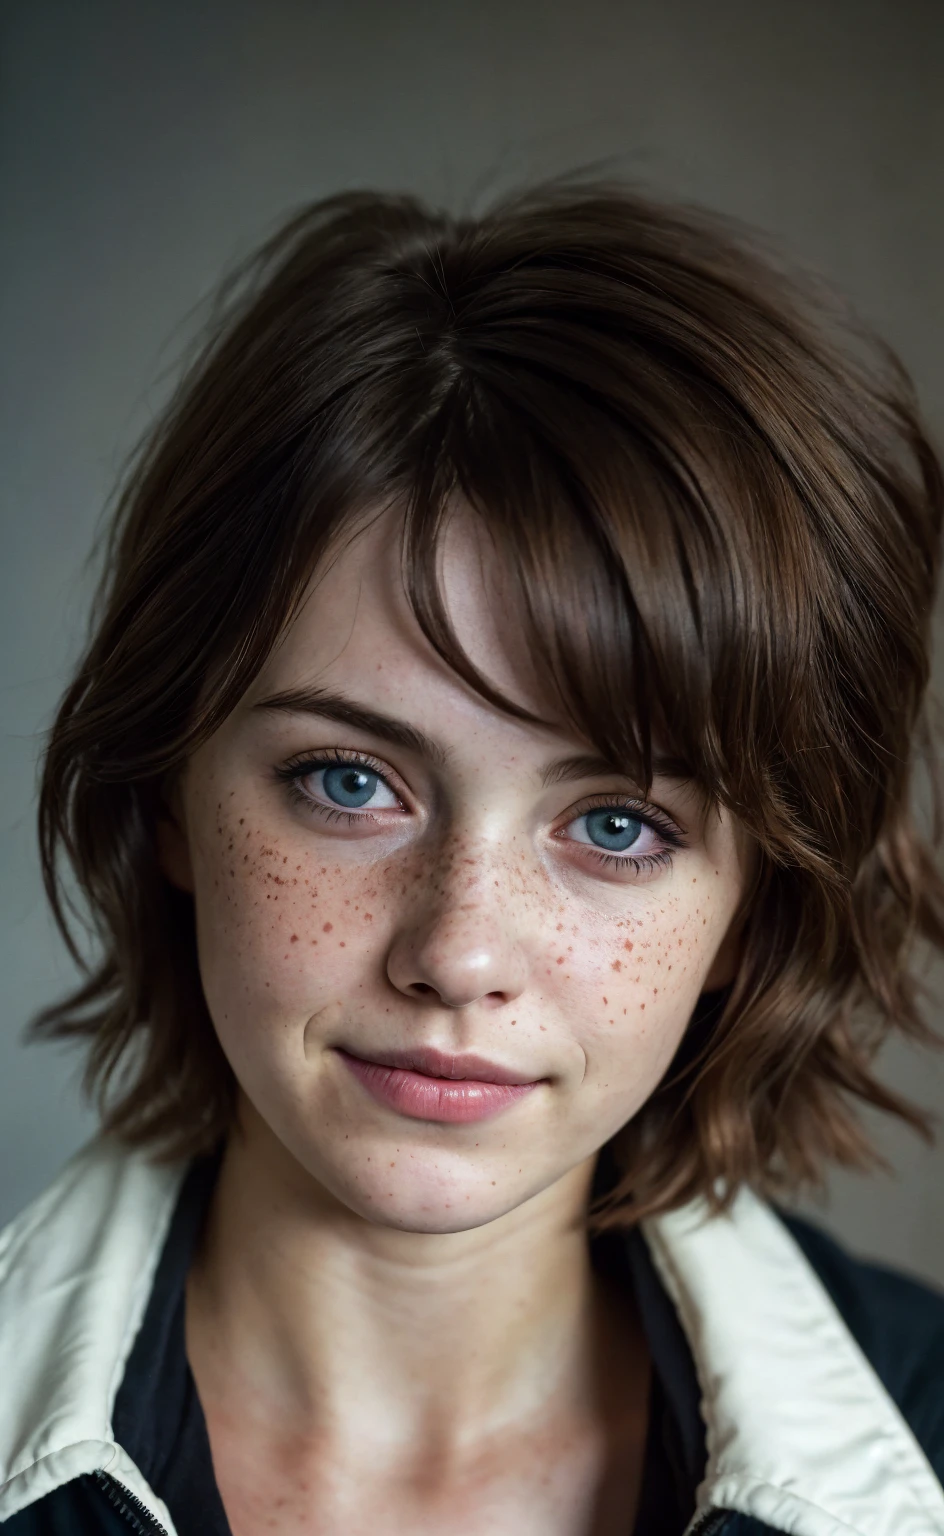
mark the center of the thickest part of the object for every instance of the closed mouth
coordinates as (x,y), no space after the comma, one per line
(444,1065)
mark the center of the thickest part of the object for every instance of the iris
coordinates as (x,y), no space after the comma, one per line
(349,786)
(613,829)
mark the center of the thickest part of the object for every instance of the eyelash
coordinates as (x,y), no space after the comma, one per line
(651,817)
(292,773)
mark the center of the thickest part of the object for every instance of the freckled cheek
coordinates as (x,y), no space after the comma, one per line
(637,990)
(282,927)
(629,1038)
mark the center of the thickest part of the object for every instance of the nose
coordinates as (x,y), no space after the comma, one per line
(459,949)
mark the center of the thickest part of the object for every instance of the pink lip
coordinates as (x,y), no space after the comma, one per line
(427,1084)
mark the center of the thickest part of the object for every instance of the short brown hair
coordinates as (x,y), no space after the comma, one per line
(723,519)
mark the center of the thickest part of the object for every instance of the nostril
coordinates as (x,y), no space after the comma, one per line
(421,987)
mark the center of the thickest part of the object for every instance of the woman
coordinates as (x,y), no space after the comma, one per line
(489,781)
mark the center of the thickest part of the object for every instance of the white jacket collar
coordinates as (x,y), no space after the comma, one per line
(801,1434)
(76,1270)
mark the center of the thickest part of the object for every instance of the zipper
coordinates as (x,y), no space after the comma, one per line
(137,1514)
(143,1523)
(712,1521)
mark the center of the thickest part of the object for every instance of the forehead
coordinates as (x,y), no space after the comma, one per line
(356,621)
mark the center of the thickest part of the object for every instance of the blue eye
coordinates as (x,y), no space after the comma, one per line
(341,787)
(623,836)
(349,785)
(612,828)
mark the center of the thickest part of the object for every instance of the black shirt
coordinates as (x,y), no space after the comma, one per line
(159,1421)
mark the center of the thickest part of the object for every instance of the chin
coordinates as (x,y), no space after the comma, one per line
(433,1223)
(412,1202)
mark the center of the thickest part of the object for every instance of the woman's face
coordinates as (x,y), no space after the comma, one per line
(446,953)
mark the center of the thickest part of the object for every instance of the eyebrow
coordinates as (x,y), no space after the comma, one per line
(335,706)
(592,766)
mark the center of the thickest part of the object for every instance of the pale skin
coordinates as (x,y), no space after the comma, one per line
(393,1323)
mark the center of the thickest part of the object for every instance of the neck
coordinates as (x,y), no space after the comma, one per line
(326,1323)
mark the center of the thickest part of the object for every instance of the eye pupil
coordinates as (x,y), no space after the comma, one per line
(349,786)
(613,829)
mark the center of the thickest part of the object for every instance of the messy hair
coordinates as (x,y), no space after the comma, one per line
(720,515)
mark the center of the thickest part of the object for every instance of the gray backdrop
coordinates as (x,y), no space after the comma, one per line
(148,145)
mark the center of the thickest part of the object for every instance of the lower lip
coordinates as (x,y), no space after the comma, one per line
(452,1101)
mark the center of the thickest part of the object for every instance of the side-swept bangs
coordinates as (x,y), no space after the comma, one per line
(719,519)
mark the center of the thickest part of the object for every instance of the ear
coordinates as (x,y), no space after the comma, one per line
(173,846)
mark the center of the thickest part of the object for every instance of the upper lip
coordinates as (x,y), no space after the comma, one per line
(445,1064)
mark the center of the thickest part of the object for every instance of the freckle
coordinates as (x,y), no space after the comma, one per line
(294,939)
(368,917)
(342,945)
(314,941)
(560,928)
(604,1002)
(628,945)
(617,965)
(642,1007)
(241,820)
(327,927)
(514,1021)
(493,1183)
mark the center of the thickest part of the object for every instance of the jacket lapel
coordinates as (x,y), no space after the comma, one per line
(75,1274)
(801,1434)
